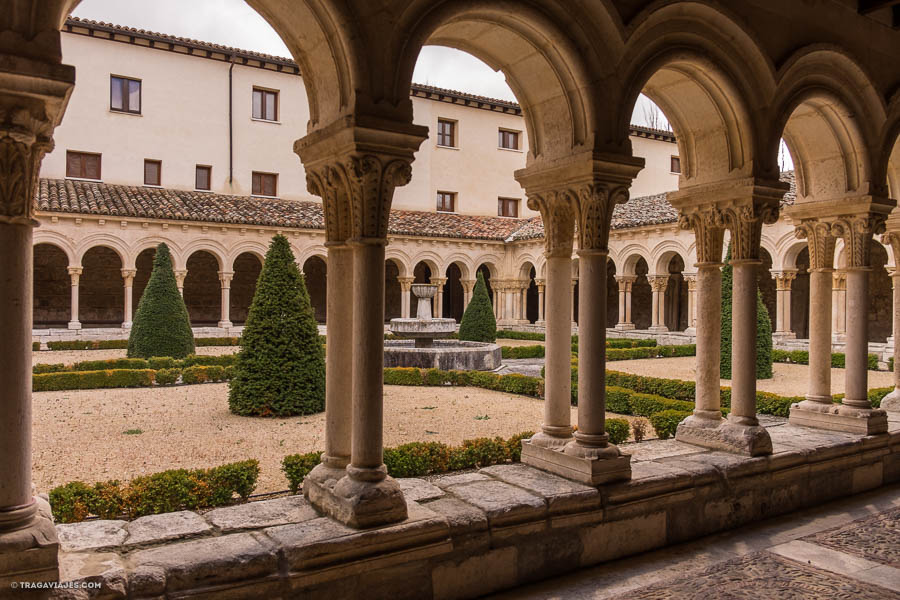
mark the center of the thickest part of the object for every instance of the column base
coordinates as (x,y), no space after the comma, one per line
(690,331)
(725,434)
(658,329)
(126,325)
(839,417)
(74,324)
(624,326)
(31,553)
(583,469)
(891,402)
(358,504)
(225,324)
(540,322)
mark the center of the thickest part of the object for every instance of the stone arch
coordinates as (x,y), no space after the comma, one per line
(641,294)
(888,159)
(827,110)
(401,261)
(791,252)
(212,247)
(463,263)
(528,272)
(101,290)
(315,269)
(489,271)
(305,253)
(631,258)
(253,248)
(202,289)
(800,293)
(136,249)
(106,240)
(51,285)
(246,268)
(424,271)
(453,293)
(53,238)
(143,267)
(664,253)
(393,302)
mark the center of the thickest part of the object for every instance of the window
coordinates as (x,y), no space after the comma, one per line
(83,165)
(265,104)
(446,201)
(152,172)
(508,139)
(508,207)
(265,184)
(124,95)
(203,177)
(446,133)
(676,164)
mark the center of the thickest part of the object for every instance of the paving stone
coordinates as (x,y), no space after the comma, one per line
(561,494)
(445,482)
(503,504)
(91,535)
(103,569)
(419,490)
(168,526)
(649,478)
(267,513)
(209,561)
(875,538)
(463,518)
(653,449)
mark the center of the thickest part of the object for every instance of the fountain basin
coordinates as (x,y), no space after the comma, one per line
(446,355)
(423,331)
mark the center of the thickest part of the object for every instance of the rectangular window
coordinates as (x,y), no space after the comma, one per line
(676,164)
(446,201)
(152,172)
(265,104)
(265,184)
(508,139)
(83,165)
(508,207)
(124,95)
(446,134)
(203,177)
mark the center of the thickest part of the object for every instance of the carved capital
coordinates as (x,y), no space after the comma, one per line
(892,240)
(180,275)
(839,281)
(594,204)
(75,274)
(558,214)
(128,276)
(857,232)
(820,241)
(783,279)
(406,283)
(225,277)
(658,283)
(708,225)
(691,281)
(745,224)
(25,137)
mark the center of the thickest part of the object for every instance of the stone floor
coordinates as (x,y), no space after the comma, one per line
(848,548)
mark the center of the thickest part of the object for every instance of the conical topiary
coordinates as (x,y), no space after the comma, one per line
(280,369)
(161,325)
(763,328)
(478,323)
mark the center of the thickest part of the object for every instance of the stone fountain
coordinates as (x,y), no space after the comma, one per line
(425,345)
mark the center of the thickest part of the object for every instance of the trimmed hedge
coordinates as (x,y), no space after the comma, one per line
(84,380)
(478,323)
(513,383)
(666,422)
(417,459)
(838,359)
(35,346)
(613,352)
(520,335)
(168,491)
(89,345)
(618,430)
(536,351)
(155,363)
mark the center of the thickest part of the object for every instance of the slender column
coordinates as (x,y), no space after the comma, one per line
(128,278)
(839,292)
(625,282)
(405,295)
(691,280)
(74,275)
(225,279)
(621,285)
(891,402)
(857,350)
(180,275)
(574,297)
(628,304)
(468,286)
(339,361)
(743,352)
(438,310)
(658,284)
(783,280)
(540,286)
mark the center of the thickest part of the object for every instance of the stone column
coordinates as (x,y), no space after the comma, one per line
(468,286)
(658,284)
(625,282)
(783,281)
(356,184)
(540,287)
(691,280)
(438,309)
(574,297)
(839,304)
(405,295)
(33,96)
(128,278)
(225,279)
(74,275)
(629,320)
(891,402)
(180,275)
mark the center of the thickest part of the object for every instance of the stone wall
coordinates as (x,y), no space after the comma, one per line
(246,268)
(52,287)
(101,290)
(202,289)
(316,273)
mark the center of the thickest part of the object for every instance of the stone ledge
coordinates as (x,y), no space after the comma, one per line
(486,531)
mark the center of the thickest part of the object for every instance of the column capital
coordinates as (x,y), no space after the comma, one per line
(75,271)
(820,241)
(226,276)
(857,232)
(406,283)
(355,169)
(540,282)
(558,217)
(128,275)
(439,280)
(783,279)
(180,274)
(839,280)
(658,283)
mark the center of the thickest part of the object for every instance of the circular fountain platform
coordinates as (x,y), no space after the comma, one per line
(446,355)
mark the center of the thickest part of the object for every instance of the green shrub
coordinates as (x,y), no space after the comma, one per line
(71,502)
(773,404)
(48,368)
(203,374)
(520,335)
(224,360)
(515,383)
(167,376)
(110,345)
(478,323)
(838,359)
(403,376)
(618,400)
(233,478)
(280,370)
(484,379)
(161,325)
(480,452)
(536,351)
(297,466)
(666,422)
(35,346)
(417,459)
(112,363)
(108,499)
(514,445)
(83,380)
(629,343)
(876,395)
(763,328)
(618,430)
(647,405)
(161,362)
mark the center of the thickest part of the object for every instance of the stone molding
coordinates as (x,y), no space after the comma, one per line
(839,281)
(658,283)
(594,210)
(783,280)
(745,224)
(857,232)
(709,232)
(819,240)
(559,221)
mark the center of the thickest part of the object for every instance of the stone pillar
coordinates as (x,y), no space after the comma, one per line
(33,96)
(540,287)
(128,278)
(438,309)
(225,279)
(468,286)
(783,281)
(658,284)
(691,280)
(574,298)
(839,297)
(180,275)
(891,402)
(588,457)
(74,275)
(356,184)
(405,295)
(625,282)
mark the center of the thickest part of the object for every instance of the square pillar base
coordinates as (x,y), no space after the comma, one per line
(891,402)
(722,434)
(32,553)
(839,418)
(358,504)
(583,470)
(225,324)
(74,324)
(624,326)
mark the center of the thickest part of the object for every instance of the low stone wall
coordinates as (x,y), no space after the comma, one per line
(474,533)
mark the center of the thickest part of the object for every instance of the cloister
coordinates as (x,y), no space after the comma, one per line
(733,79)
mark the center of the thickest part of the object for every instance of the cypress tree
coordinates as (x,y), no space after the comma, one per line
(763,328)
(280,369)
(161,325)
(478,323)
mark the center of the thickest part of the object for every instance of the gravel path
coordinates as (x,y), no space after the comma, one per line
(789,380)
(516,343)
(73,356)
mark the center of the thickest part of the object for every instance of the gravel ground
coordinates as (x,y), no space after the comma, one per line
(515,343)
(73,356)
(789,380)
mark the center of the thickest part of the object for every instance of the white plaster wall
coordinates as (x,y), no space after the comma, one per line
(655,177)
